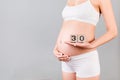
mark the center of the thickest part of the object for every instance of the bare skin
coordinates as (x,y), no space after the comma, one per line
(64,48)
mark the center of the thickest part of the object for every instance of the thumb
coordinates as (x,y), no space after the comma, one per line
(58,54)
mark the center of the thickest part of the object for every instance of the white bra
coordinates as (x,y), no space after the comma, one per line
(84,12)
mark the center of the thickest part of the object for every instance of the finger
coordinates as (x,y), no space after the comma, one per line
(57,52)
(73,44)
(64,56)
(59,55)
(67,42)
(62,59)
(66,59)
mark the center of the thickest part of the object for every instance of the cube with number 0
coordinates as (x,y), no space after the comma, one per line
(81,38)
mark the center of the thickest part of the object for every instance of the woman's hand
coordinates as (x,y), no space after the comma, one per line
(81,45)
(61,56)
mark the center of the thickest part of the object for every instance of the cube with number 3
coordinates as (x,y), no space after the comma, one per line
(73,38)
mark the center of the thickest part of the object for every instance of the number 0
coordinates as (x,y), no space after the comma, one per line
(81,38)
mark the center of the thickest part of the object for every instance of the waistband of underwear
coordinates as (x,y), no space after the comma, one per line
(83,55)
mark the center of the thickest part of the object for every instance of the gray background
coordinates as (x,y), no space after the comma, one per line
(28,31)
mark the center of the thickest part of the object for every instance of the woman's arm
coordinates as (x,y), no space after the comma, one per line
(111,27)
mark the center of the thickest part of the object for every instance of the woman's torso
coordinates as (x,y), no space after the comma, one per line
(73,27)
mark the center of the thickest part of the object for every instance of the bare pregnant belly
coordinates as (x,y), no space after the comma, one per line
(75,28)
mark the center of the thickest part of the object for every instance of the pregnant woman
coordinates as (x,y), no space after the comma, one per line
(76,45)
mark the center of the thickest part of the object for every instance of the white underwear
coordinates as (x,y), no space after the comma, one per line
(84,65)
